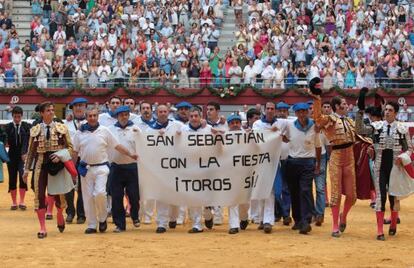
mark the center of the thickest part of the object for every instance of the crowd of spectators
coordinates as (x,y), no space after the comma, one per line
(348,43)
(278,43)
(105,42)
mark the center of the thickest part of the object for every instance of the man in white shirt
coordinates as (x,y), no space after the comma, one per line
(59,34)
(320,179)
(238,214)
(214,214)
(183,112)
(78,106)
(304,150)
(104,73)
(145,119)
(282,194)
(267,75)
(41,75)
(195,125)
(203,52)
(267,206)
(124,171)
(249,74)
(17,59)
(165,213)
(182,115)
(92,143)
(144,123)
(405,114)
(109,118)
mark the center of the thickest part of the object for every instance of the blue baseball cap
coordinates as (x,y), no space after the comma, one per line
(233,117)
(77,101)
(282,105)
(122,109)
(300,106)
(183,104)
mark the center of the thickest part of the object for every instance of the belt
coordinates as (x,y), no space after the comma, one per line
(342,146)
(100,164)
(301,158)
(125,166)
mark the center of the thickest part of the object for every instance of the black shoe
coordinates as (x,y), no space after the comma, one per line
(336,234)
(69,219)
(136,223)
(261,226)
(209,223)
(172,224)
(296,226)
(277,219)
(49,217)
(41,235)
(319,220)
(160,230)
(103,226)
(22,207)
(392,231)
(13,207)
(305,229)
(118,230)
(90,231)
(267,228)
(342,227)
(381,237)
(233,230)
(287,220)
(194,231)
(61,228)
(372,205)
(80,220)
(243,224)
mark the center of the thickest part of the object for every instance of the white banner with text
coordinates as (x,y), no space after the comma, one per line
(204,169)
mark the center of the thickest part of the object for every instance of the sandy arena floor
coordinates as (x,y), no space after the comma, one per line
(142,247)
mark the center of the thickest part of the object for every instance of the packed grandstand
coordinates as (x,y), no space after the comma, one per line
(148,43)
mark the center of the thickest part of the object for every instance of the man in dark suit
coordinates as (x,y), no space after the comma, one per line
(17,133)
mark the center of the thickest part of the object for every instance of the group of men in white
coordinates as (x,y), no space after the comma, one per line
(107,162)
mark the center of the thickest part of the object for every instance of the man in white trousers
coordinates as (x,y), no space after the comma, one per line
(195,125)
(91,143)
(166,213)
(238,214)
(214,214)
(269,122)
(183,116)
(144,122)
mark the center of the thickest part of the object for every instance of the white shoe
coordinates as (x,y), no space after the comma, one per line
(147,220)
(180,221)
(217,221)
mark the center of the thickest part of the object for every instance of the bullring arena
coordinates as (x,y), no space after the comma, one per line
(142,247)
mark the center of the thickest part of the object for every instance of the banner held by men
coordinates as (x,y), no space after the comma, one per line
(204,169)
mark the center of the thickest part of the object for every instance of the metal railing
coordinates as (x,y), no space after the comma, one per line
(196,82)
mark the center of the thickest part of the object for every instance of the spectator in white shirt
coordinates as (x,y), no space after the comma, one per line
(104,72)
(17,59)
(404,115)
(249,74)
(41,75)
(59,34)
